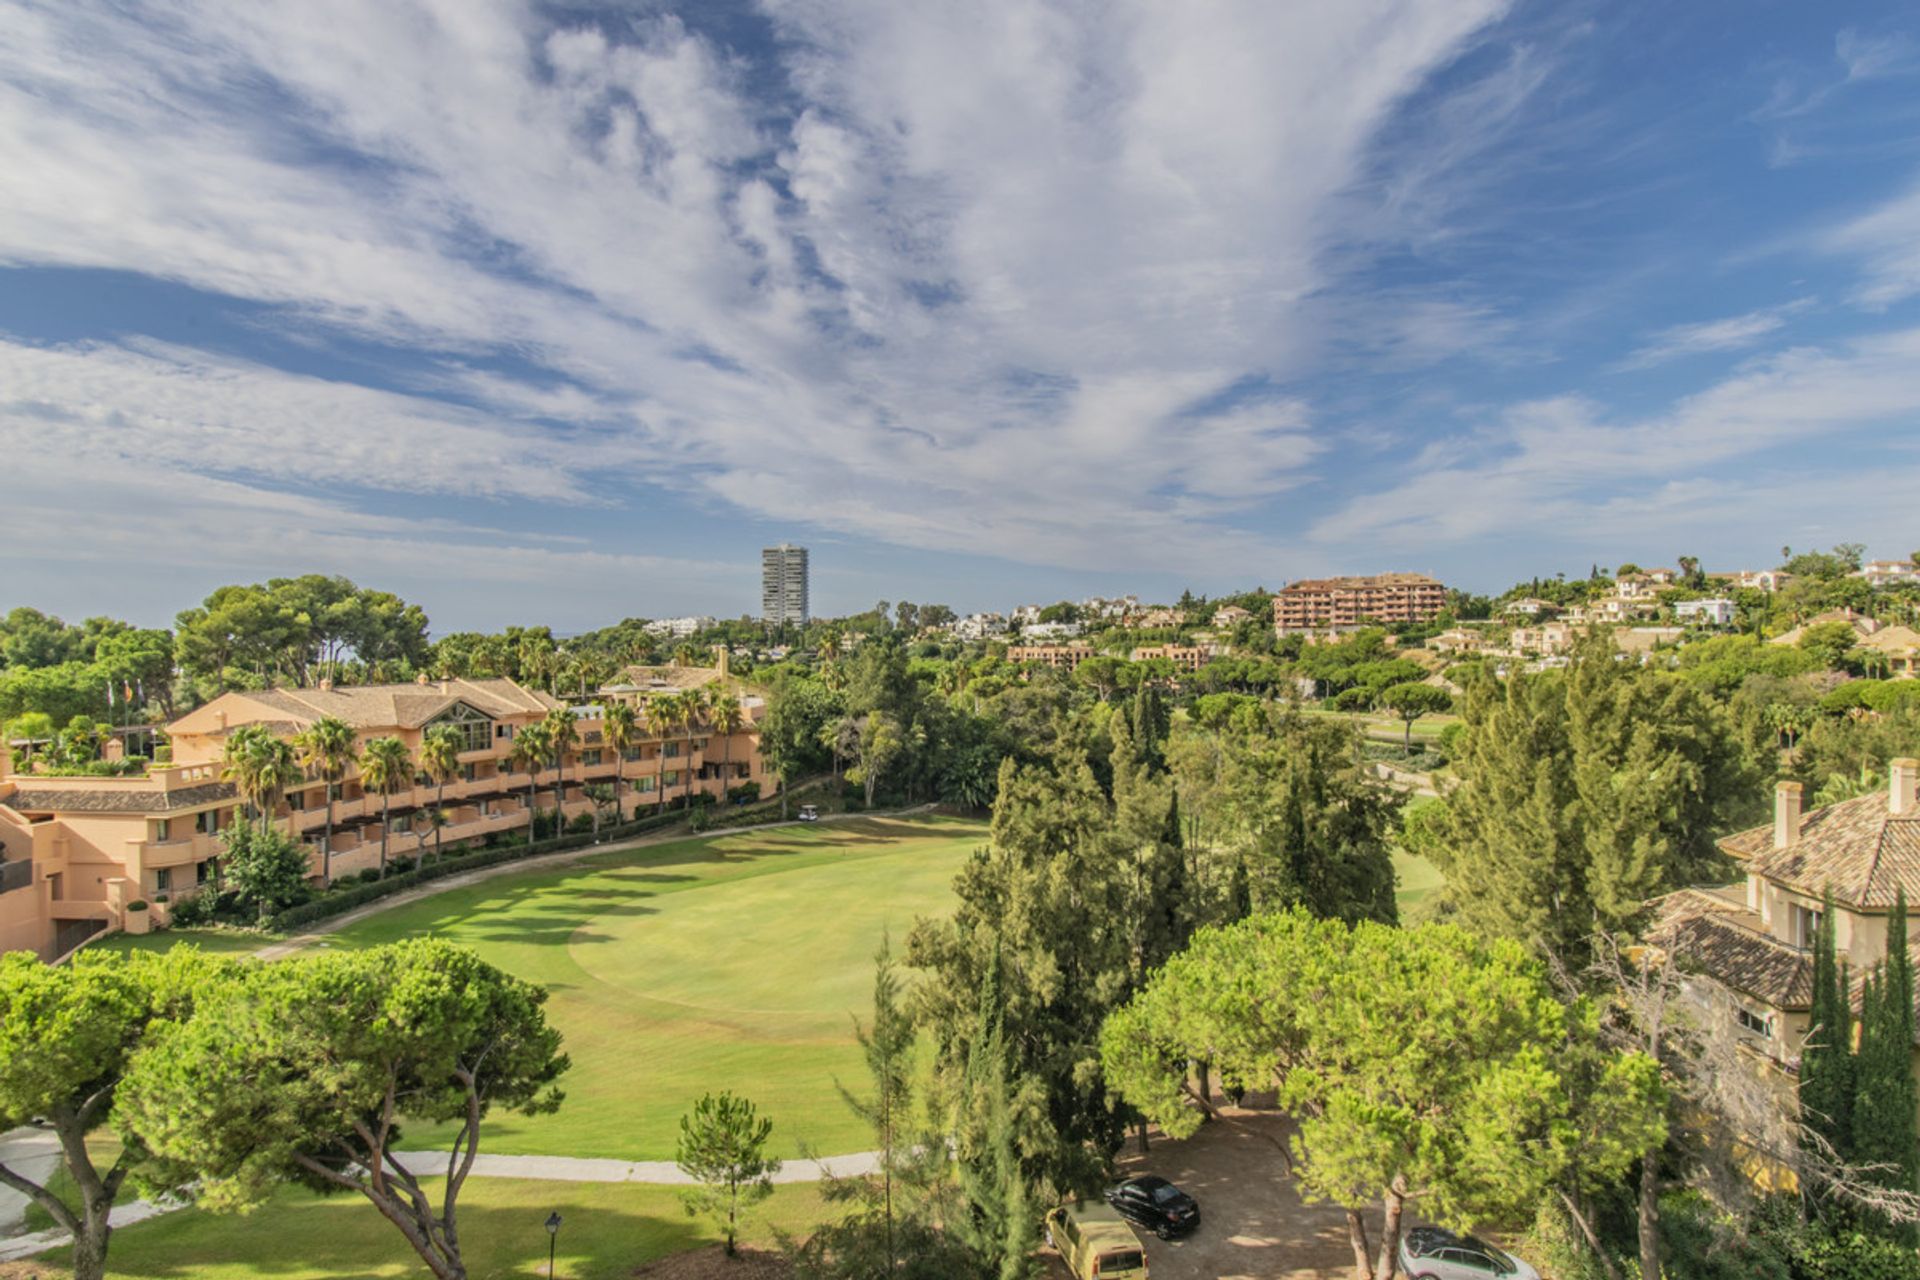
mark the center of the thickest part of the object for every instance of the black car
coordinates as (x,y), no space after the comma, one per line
(1157,1205)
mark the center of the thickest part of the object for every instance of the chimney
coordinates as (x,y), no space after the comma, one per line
(725,657)
(445,686)
(1904,783)
(220,719)
(1786,815)
(326,684)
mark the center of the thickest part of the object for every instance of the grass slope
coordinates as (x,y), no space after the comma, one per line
(607,1230)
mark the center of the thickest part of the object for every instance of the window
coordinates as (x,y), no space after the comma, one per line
(670,750)
(590,759)
(162,828)
(207,822)
(475,730)
(163,880)
(206,871)
(630,754)
(643,784)
(670,777)
(1755,1023)
(1805,922)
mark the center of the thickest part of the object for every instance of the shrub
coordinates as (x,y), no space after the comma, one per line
(138,904)
(580,822)
(745,793)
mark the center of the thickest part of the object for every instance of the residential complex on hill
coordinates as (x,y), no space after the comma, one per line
(1314,604)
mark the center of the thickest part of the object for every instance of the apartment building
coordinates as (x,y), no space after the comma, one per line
(783,585)
(1318,603)
(1888,573)
(78,851)
(680,628)
(1067,656)
(1184,657)
(1750,943)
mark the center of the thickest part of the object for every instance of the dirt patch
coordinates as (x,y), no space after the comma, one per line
(711,1264)
(1253,1224)
(30,1270)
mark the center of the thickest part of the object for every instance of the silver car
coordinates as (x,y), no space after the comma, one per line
(1432,1253)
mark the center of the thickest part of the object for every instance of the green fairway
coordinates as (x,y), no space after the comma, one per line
(731,963)
(607,1230)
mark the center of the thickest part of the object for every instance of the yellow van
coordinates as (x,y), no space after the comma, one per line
(1096,1242)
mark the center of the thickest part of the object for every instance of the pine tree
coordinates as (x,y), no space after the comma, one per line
(1151,724)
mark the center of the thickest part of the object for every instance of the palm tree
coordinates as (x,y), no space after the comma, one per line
(620,726)
(440,760)
(563,735)
(726,715)
(530,751)
(663,717)
(693,709)
(328,749)
(260,766)
(386,767)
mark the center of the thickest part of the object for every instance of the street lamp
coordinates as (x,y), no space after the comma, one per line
(553,1239)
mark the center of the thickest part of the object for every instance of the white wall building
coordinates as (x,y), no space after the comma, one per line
(1716,612)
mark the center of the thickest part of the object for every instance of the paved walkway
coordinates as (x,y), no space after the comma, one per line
(33,1154)
(563,858)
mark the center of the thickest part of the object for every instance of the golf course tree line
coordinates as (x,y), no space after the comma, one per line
(236,1079)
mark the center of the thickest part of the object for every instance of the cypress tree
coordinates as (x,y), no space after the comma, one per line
(1151,724)
(1884,1125)
(1826,1064)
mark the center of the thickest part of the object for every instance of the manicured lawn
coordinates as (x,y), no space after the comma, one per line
(607,1230)
(732,963)
(224,941)
(1415,878)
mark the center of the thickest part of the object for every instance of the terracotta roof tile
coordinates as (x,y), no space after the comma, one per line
(1723,940)
(117,800)
(1856,848)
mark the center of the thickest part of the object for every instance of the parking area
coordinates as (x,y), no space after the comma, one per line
(1253,1224)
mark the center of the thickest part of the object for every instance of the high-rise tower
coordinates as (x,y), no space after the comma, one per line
(783,584)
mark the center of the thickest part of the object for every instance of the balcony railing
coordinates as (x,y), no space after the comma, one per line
(15,875)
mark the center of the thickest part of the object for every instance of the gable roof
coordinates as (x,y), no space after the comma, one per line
(372,706)
(1728,943)
(1857,849)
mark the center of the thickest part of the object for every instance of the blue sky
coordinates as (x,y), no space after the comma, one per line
(559,312)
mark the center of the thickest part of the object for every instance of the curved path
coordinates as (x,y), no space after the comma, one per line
(565,857)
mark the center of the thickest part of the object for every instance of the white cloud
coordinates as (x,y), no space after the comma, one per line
(969,294)
(1887,240)
(1554,469)
(1730,334)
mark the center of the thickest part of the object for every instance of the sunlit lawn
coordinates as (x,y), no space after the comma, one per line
(607,1230)
(733,963)
(224,941)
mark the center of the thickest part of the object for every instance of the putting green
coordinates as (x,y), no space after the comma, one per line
(731,963)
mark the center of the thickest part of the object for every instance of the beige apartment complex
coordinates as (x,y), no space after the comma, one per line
(76,852)
(1067,656)
(1315,604)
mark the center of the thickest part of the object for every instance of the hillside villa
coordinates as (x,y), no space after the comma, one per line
(1749,945)
(77,852)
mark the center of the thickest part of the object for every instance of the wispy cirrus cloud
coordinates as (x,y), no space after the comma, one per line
(1732,333)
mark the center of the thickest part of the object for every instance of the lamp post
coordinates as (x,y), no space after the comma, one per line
(553,1239)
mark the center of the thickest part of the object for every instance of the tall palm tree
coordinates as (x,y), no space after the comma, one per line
(693,711)
(663,718)
(530,751)
(386,767)
(328,748)
(260,766)
(563,735)
(440,760)
(726,716)
(621,727)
